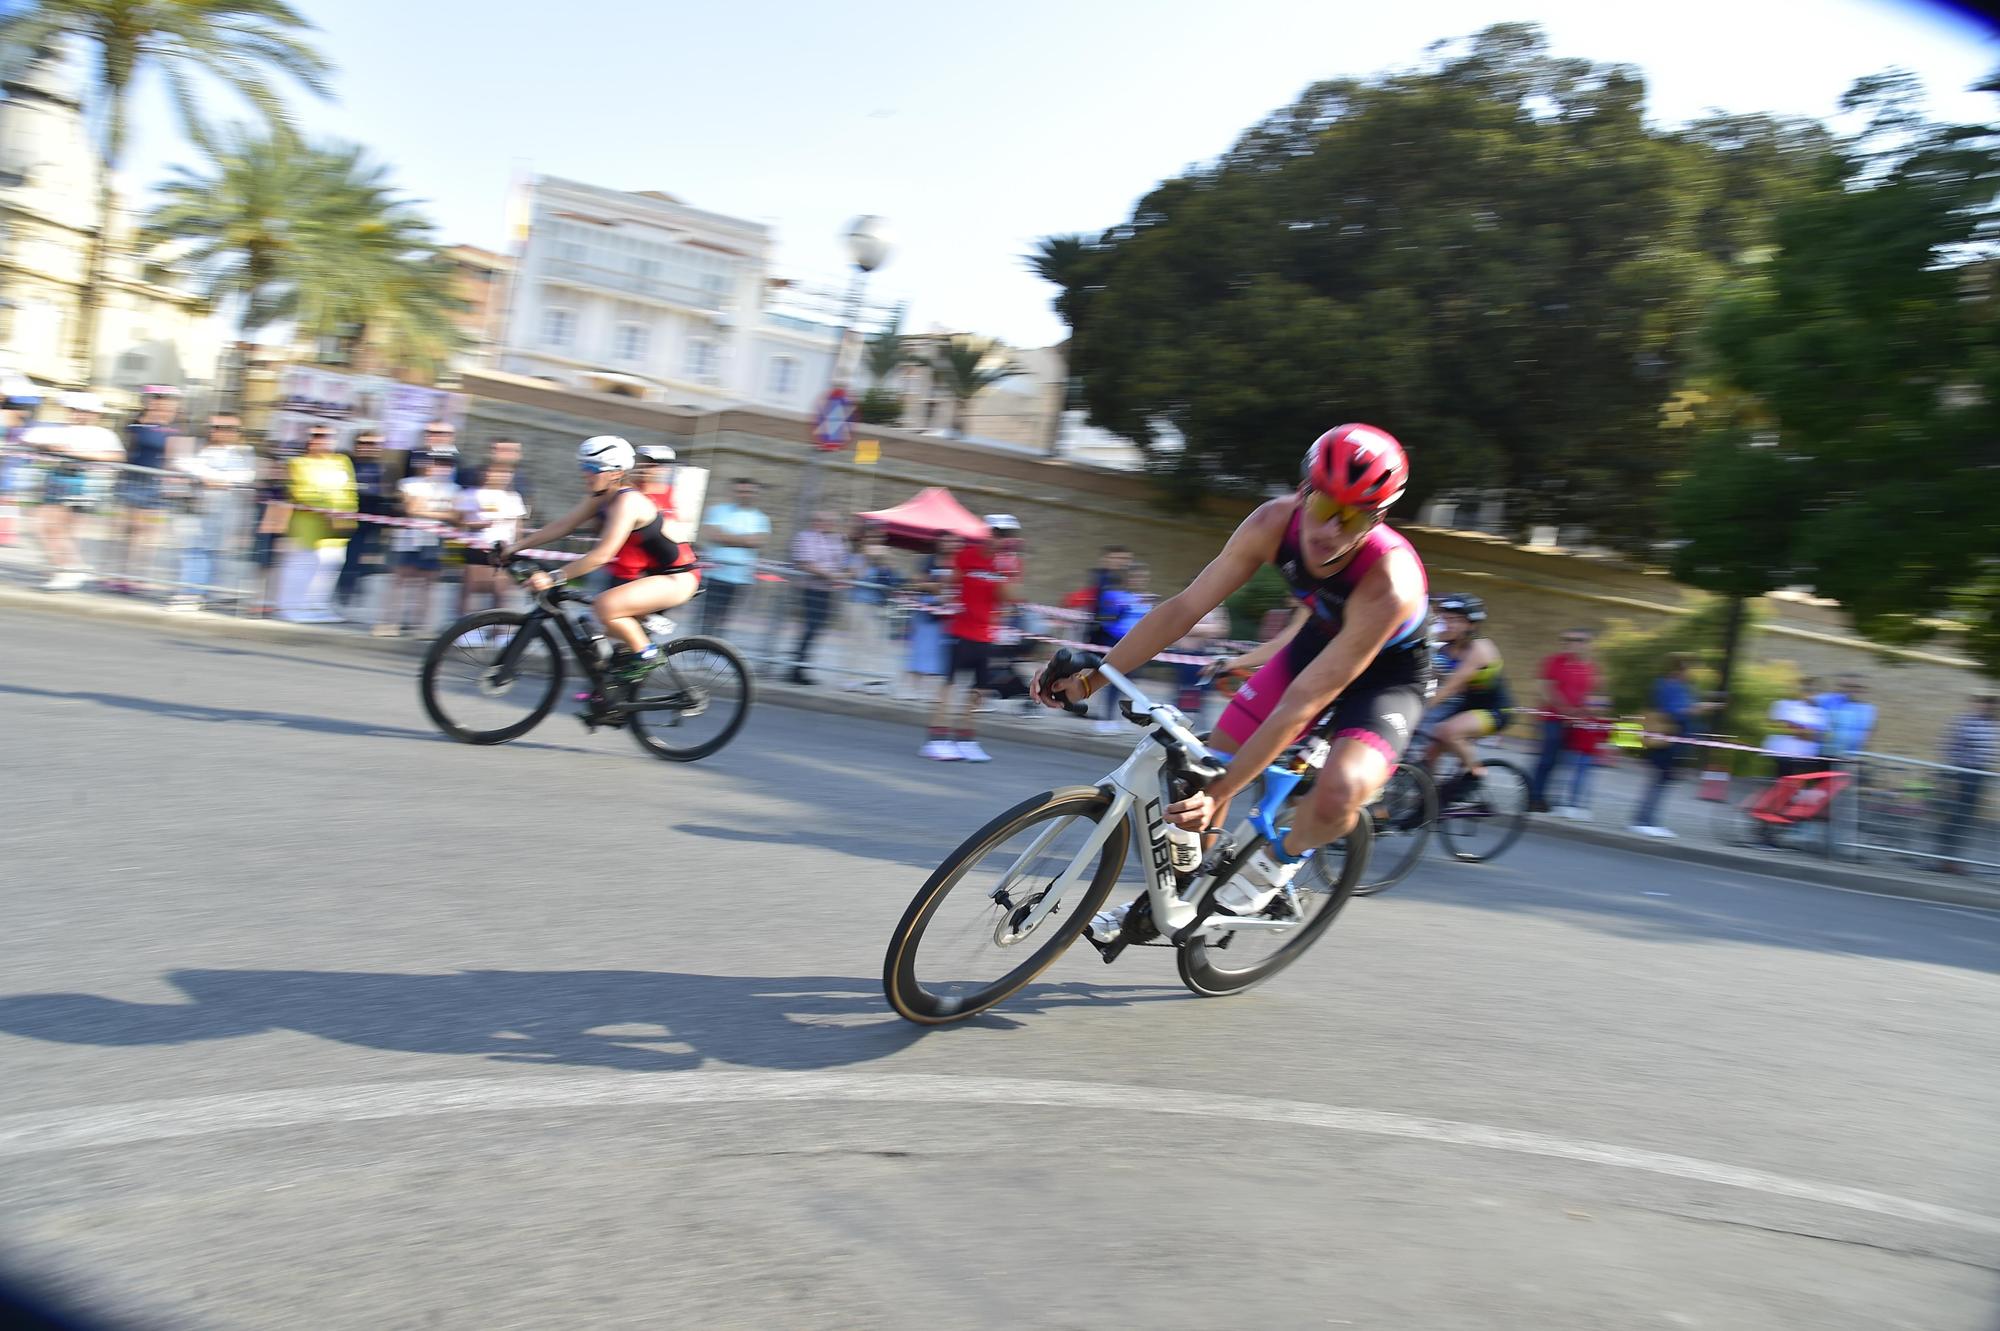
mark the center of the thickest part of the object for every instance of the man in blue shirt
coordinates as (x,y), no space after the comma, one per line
(1671,714)
(1850,718)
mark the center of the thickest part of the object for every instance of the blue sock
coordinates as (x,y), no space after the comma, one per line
(1281,855)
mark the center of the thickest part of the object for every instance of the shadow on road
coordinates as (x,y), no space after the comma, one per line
(190,711)
(640,1021)
(302,660)
(1823,921)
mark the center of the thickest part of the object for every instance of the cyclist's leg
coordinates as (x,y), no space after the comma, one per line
(621,608)
(1458,733)
(1370,731)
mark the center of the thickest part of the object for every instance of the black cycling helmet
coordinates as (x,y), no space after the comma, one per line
(1471,607)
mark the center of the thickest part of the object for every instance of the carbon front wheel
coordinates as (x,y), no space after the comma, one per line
(981,927)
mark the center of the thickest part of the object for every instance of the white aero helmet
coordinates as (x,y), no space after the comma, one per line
(1003,524)
(659,455)
(604,452)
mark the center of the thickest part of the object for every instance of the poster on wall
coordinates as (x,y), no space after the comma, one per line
(309,396)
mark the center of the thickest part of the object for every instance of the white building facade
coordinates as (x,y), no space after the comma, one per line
(148,332)
(641,295)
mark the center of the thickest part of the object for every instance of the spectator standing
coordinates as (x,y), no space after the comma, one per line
(320,486)
(1122,604)
(819,561)
(272,513)
(432,497)
(373,498)
(1569,679)
(150,443)
(225,469)
(731,536)
(1107,583)
(1850,717)
(874,583)
(1971,745)
(1797,726)
(1671,714)
(1581,745)
(66,488)
(1105,580)
(502,453)
(985,577)
(492,512)
(931,602)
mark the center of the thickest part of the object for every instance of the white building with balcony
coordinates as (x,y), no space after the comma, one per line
(151,327)
(641,295)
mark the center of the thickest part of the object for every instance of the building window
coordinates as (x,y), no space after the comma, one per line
(702,358)
(558,327)
(782,378)
(629,342)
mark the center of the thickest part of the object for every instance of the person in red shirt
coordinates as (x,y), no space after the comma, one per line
(984,582)
(1569,678)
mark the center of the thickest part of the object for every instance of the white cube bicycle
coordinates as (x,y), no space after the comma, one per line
(1019,891)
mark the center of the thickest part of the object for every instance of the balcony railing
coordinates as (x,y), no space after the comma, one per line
(635,286)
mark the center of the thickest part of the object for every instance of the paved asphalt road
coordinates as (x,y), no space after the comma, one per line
(309,1017)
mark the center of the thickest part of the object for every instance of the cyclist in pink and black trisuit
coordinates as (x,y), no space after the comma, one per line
(1357,643)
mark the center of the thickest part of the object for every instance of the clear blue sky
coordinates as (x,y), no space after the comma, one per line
(976,128)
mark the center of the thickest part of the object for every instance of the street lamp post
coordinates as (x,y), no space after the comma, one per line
(867,249)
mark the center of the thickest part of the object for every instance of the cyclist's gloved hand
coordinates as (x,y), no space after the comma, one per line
(499,555)
(1066,682)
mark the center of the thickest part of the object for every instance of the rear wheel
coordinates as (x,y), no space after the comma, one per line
(1488,816)
(976,931)
(1243,958)
(481,687)
(1404,815)
(693,702)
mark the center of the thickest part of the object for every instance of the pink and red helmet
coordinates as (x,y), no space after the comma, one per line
(1359,466)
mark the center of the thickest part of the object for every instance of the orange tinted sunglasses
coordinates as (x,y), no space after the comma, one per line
(1352,520)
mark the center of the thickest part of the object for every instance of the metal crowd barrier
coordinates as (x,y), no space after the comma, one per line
(141,529)
(1922,814)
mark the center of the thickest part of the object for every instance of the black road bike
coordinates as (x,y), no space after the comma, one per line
(494,675)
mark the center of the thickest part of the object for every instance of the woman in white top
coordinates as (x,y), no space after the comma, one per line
(492,511)
(67,486)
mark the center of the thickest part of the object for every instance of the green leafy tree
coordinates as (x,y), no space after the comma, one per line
(313,235)
(967,366)
(241,44)
(1493,256)
(1869,343)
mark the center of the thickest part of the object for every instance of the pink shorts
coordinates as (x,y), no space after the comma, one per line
(1382,716)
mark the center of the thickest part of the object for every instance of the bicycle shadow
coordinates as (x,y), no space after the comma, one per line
(637,1021)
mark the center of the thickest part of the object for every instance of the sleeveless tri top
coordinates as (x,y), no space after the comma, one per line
(648,550)
(1404,659)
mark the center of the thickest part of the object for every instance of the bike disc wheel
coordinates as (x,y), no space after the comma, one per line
(464,690)
(693,702)
(1239,960)
(965,943)
(1475,830)
(1404,814)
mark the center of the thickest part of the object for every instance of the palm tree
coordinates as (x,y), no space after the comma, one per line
(313,235)
(888,351)
(967,366)
(239,43)
(1065,261)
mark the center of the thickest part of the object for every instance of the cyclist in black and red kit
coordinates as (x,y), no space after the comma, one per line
(1357,644)
(651,571)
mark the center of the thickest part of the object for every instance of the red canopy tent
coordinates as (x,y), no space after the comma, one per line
(924,516)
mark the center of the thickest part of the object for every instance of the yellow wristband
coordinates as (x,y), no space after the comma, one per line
(1089,681)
